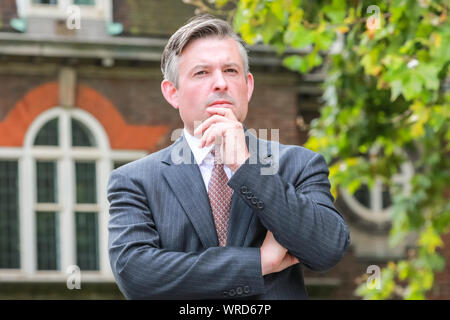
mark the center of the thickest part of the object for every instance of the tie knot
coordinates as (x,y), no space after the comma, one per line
(217,161)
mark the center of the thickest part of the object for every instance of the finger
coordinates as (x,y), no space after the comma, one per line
(216,135)
(213,138)
(205,136)
(225,112)
(208,122)
(210,135)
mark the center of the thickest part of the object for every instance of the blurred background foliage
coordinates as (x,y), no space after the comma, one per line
(386,102)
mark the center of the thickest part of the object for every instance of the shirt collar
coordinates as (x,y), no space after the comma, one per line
(194,142)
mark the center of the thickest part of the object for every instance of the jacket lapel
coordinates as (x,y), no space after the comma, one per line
(240,217)
(187,184)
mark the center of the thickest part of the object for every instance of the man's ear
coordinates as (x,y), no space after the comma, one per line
(250,86)
(170,93)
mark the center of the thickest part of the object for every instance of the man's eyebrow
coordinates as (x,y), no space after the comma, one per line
(232,64)
(199,66)
(204,66)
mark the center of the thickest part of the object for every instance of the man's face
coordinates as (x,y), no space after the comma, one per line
(211,72)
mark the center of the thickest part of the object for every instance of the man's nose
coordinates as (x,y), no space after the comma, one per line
(220,83)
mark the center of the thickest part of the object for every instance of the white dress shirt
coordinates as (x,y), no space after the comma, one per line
(204,158)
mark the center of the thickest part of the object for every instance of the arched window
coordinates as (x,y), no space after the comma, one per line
(85,215)
(374,204)
(56,214)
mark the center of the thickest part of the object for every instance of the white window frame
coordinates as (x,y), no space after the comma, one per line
(65,155)
(102,10)
(376,213)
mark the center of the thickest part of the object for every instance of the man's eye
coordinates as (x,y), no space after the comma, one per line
(200,73)
(230,70)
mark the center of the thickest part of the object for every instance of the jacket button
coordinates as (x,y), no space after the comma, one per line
(260,205)
(244,190)
(246,289)
(232,293)
(249,195)
(239,291)
(254,201)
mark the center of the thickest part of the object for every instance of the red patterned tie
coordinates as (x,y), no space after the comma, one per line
(219,194)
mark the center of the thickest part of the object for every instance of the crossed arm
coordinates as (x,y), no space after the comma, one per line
(301,215)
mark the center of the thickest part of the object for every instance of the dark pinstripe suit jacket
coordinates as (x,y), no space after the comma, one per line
(162,239)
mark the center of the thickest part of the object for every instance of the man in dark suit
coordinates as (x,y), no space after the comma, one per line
(219,213)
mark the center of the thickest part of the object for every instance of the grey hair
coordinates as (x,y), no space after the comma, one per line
(198,27)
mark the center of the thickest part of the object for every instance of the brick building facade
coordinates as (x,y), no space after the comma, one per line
(75,103)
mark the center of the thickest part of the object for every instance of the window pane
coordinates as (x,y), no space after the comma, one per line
(387,201)
(46,181)
(9,215)
(81,136)
(363,195)
(48,135)
(85,182)
(87,240)
(85,2)
(47,240)
(45,1)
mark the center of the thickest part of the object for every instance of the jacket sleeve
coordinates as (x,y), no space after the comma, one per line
(299,213)
(144,270)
